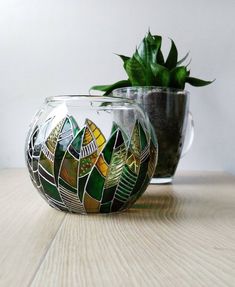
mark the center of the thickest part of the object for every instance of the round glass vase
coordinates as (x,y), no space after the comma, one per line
(168,111)
(90,154)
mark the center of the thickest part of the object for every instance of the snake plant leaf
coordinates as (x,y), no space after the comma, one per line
(183,59)
(135,72)
(124,59)
(188,63)
(155,41)
(108,88)
(149,77)
(148,67)
(172,58)
(198,82)
(119,84)
(102,88)
(178,77)
(160,58)
(139,59)
(162,75)
(148,48)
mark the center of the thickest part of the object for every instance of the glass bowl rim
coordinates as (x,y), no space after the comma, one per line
(93,98)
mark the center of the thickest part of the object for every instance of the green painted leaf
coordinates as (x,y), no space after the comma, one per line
(68,131)
(114,155)
(172,58)
(197,82)
(95,184)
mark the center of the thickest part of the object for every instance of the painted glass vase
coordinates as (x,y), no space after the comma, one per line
(89,154)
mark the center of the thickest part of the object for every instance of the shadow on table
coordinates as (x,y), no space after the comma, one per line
(204,178)
(171,202)
(161,205)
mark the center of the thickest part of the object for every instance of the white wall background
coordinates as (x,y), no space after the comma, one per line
(50,47)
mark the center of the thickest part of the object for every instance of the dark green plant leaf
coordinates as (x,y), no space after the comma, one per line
(149,78)
(136,73)
(178,77)
(146,54)
(183,59)
(161,74)
(188,63)
(198,82)
(148,48)
(147,67)
(109,88)
(139,59)
(156,68)
(160,57)
(124,58)
(172,58)
(102,88)
(155,41)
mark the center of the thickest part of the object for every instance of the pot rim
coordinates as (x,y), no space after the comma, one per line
(167,90)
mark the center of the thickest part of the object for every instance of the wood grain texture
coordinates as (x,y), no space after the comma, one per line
(179,235)
(27,228)
(176,235)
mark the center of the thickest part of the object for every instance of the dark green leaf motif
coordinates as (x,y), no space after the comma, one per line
(75,170)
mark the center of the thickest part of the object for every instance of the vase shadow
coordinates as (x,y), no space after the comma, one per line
(161,205)
(203,178)
(178,201)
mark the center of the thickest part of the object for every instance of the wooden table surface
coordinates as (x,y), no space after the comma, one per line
(176,235)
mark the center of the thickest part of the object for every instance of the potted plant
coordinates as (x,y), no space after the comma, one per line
(158,84)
